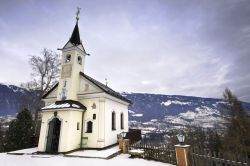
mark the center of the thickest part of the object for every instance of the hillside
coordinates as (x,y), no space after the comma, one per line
(147,109)
(155,110)
(13,98)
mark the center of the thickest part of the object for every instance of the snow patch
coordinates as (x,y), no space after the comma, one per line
(76,106)
(188,115)
(136,151)
(24,151)
(137,115)
(169,102)
(131,112)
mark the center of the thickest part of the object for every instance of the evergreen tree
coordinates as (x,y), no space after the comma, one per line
(1,138)
(213,141)
(20,132)
(237,137)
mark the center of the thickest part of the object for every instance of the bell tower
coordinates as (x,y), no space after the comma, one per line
(72,63)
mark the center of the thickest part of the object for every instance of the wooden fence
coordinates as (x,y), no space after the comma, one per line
(161,153)
(134,135)
(207,158)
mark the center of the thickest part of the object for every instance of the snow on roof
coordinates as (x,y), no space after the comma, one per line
(54,106)
(65,104)
(76,106)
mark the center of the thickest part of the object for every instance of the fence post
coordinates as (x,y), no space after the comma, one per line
(120,143)
(125,146)
(182,155)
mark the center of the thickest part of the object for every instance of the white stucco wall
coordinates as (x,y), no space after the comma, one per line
(74,135)
(69,135)
(118,108)
(94,138)
(102,134)
(73,81)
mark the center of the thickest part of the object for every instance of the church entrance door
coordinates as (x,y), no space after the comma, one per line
(53,136)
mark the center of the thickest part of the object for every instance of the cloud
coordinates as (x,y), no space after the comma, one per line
(171,47)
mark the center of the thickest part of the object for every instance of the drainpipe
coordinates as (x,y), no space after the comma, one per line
(82,129)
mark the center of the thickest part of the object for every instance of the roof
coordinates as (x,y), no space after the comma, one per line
(47,93)
(65,104)
(105,88)
(75,37)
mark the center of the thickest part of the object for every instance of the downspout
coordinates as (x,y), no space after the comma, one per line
(104,124)
(82,129)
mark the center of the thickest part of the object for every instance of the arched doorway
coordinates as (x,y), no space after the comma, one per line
(53,136)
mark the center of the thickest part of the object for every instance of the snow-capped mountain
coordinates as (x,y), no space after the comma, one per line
(12,98)
(149,109)
(176,110)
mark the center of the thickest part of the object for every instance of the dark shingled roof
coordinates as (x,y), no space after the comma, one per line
(75,37)
(47,93)
(65,104)
(105,88)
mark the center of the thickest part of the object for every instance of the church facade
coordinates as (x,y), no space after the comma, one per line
(80,112)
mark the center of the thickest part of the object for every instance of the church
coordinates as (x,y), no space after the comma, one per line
(80,112)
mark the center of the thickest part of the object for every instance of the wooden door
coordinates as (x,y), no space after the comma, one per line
(53,136)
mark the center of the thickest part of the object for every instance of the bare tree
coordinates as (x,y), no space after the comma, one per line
(45,72)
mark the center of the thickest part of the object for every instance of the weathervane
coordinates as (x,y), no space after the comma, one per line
(77,13)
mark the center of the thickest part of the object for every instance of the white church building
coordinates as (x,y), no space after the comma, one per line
(80,112)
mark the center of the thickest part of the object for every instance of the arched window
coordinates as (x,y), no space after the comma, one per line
(89,127)
(94,116)
(79,60)
(122,121)
(68,58)
(78,126)
(113,121)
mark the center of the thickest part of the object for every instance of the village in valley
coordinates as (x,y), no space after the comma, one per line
(144,111)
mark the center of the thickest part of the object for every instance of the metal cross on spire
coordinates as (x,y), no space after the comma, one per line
(77,13)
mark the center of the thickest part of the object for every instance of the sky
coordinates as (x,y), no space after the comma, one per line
(173,47)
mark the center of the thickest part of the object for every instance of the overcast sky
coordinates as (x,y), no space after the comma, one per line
(180,47)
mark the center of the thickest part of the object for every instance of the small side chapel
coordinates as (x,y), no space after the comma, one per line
(79,111)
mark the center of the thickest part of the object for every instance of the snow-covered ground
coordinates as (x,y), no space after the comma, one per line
(96,153)
(24,151)
(40,160)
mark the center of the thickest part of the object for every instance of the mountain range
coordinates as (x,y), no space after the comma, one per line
(177,110)
(13,98)
(154,109)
